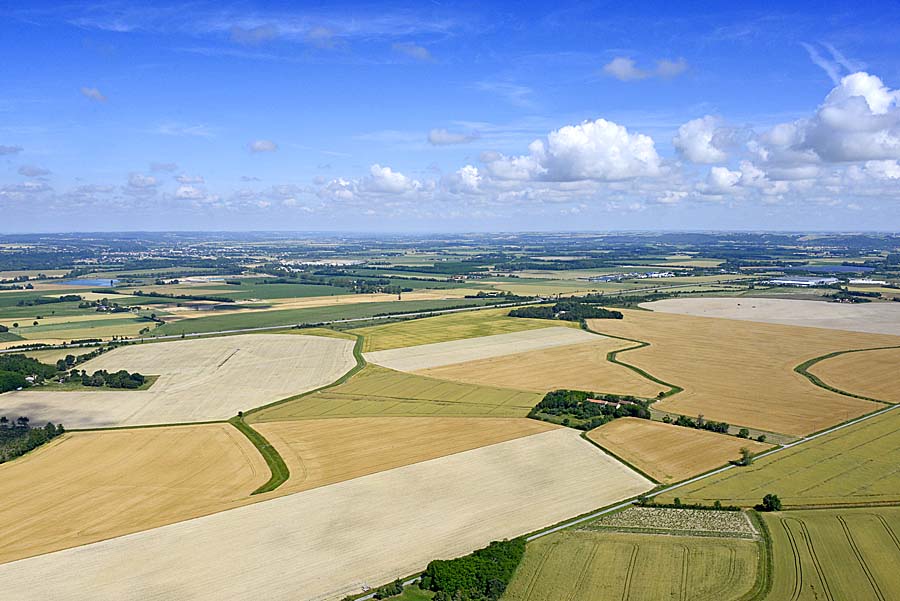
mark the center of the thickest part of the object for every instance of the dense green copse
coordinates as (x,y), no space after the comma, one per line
(567,311)
(582,410)
(10,380)
(26,366)
(17,437)
(479,576)
(119,379)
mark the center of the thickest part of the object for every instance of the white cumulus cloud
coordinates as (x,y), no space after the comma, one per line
(594,150)
(698,140)
(93,94)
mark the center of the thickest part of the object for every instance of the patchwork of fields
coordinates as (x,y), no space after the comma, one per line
(443,328)
(429,356)
(835,554)
(669,453)
(581,565)
(582,366)
(741,372)
(321,452)
(855,465)
(440,508)
(199,380)
(377,391)
(91,486)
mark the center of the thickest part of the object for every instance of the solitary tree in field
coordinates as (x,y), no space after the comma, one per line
(771,502)
(746,456)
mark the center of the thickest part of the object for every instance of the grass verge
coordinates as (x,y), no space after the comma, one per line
(803,370)
(612,357)
(277,467)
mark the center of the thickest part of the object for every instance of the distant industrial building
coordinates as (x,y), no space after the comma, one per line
(803,281)
(868,282)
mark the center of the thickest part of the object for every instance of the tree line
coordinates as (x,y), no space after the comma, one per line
(566,311)
(18,437)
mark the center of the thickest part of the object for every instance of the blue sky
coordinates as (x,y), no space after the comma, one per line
(438,116)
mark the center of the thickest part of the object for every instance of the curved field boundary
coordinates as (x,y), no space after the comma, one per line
(360,363)
(612,357)
(803,370)
(277,467)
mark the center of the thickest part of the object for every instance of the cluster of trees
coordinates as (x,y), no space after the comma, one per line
(101,378)
(567,311)
(388,590)
(18,437)
(15,368)
(576,410)
(700,423)
(479,576)
(770,502)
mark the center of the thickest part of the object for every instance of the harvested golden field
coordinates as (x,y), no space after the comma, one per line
(835,554)
(741,372)
(443,328)
(669,453)
(426,356)
(579,366)
(333,540)
(377,391)
(581,565)
(320,452)
(199,380)
(869,373)
(856,465)
(873,318)
(91,486)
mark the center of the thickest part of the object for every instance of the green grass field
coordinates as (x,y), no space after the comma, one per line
(853,466)
(377,391)
(443,328)
(287,317)
(579,565)
(835,555)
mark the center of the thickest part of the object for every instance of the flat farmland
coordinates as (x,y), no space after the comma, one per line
(835,554)
(199,380)
(856,465)
(321,452)
(91,486)
(427,356)
(873,318)
(669,453)
(443,328)
(741,372)
(378,391)
(441,508)
(869,373)
(580,366)
(582,565)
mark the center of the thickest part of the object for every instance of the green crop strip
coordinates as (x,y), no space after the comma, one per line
(612,357)
(803,370)
(279,470)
